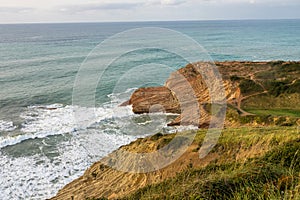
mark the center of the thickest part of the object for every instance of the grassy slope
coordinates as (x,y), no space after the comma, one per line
(276,112)
(252,163)
(274,85)
(270,170)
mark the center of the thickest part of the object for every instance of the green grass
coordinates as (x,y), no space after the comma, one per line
(274,173)
(266,101)
(275,112)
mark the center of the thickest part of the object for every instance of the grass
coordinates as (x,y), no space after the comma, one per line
(254,163)
(263,117)
(276,112)
(258,162)
(266,101)
(251,163)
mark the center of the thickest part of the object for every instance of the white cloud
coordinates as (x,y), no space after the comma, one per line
(99,6)
(151,10)
(276,2)
(115,5)
(11,9)
(172,2)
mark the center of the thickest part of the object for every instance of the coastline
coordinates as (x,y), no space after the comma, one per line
(247,85)
(236,145)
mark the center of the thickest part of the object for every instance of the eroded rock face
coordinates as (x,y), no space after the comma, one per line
(185,92)
(145,100)
(189,89)
(102,181)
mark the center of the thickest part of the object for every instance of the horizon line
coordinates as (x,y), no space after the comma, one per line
(147,21)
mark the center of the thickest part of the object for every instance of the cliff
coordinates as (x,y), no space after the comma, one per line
(264,93)
(262,156)
(241,81)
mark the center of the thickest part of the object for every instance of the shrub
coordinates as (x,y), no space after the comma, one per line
(249,87)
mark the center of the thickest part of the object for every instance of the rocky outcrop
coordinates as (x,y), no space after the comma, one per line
(183,90)
(186,92)
(144,100)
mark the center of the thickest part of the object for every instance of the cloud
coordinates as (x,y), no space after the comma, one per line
(100,6)
(117,5)
(266,2)
(15,9)
(172,2)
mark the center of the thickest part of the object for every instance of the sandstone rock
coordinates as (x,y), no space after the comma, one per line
(185,92)
(144,98)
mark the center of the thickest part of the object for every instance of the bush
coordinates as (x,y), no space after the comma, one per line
(235,78)
(249,87)
(277,88)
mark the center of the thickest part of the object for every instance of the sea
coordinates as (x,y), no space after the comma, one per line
(42,145)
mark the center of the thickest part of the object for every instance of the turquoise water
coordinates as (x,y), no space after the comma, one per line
(39,63)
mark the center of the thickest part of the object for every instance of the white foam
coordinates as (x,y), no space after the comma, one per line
(39,122)
(37,177)
(47,120)
(176,129)
(6,126)
(43,121)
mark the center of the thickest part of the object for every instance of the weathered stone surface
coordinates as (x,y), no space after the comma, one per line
(101,181)
(185,92)
(144,98)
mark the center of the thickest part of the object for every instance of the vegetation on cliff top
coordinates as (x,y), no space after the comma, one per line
(249,86)
(249,163)
(270,170)
(256,157)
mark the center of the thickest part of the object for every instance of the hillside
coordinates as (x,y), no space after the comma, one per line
(256,157)
(247,163)
(250,88)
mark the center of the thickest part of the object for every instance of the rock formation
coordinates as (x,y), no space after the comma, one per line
(190,89)
(186,93)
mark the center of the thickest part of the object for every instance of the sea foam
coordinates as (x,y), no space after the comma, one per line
(6,126)
(40,176)
(47,120)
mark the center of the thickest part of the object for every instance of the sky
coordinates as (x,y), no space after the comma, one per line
(39,11)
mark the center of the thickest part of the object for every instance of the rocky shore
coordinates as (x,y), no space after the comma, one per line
(240,80)
(265,85)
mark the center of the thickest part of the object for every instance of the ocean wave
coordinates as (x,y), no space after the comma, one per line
(182,128)
(16,139)
(42,59)
(6,126)
(41,121)
(38,177)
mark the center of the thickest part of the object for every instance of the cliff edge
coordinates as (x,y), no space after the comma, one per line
(266,93)
(240,80)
